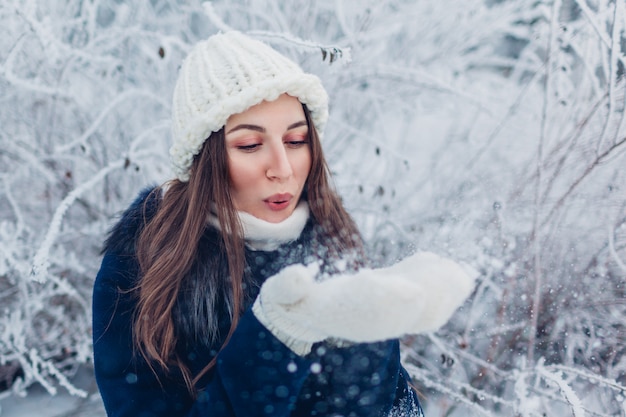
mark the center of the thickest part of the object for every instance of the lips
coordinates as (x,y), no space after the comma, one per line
(278,202)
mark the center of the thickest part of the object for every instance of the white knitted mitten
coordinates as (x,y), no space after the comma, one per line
(279,294)
(445,283)
(416,295)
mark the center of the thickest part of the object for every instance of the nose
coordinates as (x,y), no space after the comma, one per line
(279,166)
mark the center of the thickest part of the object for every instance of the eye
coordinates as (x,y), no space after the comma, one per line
(249,148)
(296,143)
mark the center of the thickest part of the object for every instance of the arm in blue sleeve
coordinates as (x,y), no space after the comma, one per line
(127,384)
(255,373)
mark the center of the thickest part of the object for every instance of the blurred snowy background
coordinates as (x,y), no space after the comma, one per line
(491,131)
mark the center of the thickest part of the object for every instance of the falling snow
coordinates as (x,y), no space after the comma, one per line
(489,131)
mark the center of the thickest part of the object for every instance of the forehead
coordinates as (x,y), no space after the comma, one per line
(285,109)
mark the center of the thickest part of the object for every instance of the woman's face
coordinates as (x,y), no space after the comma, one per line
(269,158)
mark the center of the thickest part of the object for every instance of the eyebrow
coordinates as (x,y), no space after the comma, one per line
(262,129)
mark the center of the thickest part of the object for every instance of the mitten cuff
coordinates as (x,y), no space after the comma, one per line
(299,347)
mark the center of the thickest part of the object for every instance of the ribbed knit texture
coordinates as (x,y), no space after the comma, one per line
(225,75)
(263,235)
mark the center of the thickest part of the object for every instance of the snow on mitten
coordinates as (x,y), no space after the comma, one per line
(445,283)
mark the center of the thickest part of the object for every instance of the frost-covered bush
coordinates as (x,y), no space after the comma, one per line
(536,204)
(489,131)
(84,121)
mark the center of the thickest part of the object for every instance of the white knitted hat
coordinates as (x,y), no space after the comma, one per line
(225,75)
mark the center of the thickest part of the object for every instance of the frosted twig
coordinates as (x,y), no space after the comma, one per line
(620,16)
(41,260)
(62,379)
(29,363)
(520,388)
(333,51)
(596,26)
(592,166)
(429,382)
(63,286)
(571,138)
(113,105)
(215,19)
(486,365)
(123,35)
(536,231)
(146,134)
(568,392)
(30,160)
(19,224)
(614,253)
(589,376)
(48,40)
(615,53)
(410,76)
(442,346)
(25,84)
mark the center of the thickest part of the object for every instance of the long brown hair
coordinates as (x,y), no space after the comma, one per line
(168,245)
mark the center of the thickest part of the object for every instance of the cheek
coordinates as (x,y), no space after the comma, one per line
(240,175)
(301,165)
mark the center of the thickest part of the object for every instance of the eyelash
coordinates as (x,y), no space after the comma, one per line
(296,143)
(248,147)
(291,143)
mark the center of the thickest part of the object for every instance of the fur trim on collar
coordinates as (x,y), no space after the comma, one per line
(123,236)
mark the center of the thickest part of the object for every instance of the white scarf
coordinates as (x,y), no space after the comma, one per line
(263,235)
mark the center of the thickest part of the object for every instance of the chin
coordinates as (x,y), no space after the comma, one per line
(275,218)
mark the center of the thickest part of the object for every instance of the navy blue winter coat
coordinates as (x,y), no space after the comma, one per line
(255,374)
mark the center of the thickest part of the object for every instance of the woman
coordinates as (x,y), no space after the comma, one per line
(236,289)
